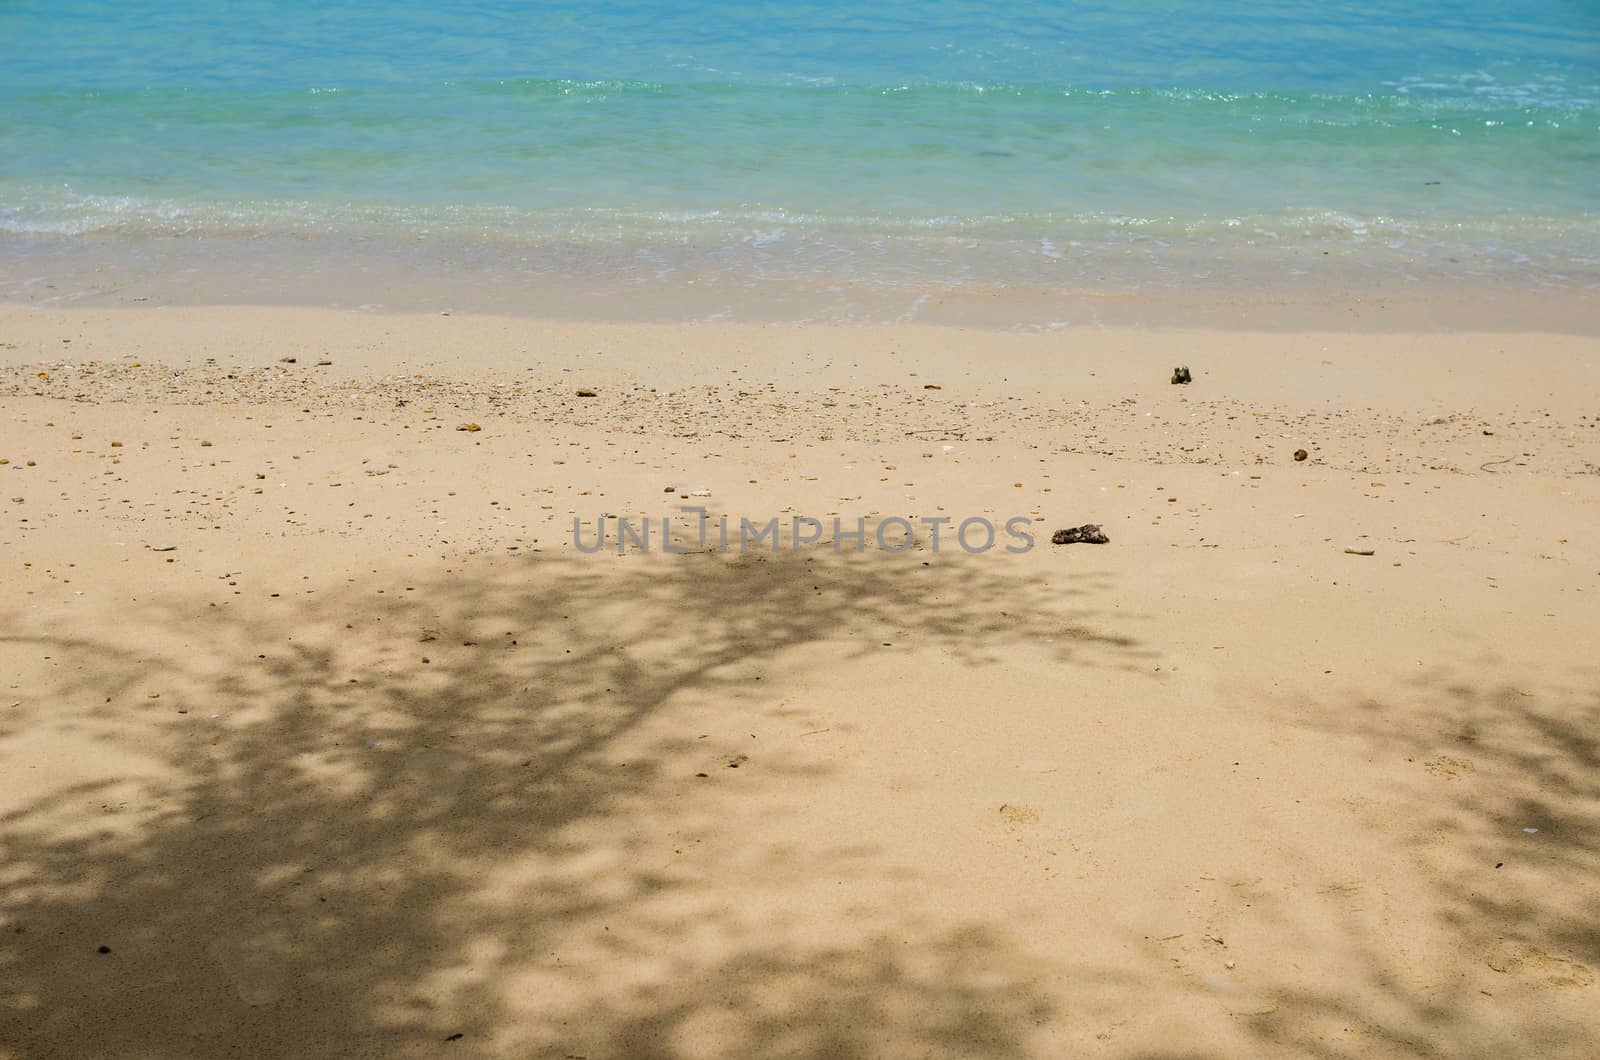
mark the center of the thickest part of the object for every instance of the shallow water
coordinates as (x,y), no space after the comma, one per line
(919,148)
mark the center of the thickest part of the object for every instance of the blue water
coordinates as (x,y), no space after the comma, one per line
(931,143)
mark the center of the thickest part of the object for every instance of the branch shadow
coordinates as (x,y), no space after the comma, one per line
(1493,818)
(458,811)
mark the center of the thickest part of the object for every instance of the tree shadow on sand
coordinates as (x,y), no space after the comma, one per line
(460,812)
(1493,819)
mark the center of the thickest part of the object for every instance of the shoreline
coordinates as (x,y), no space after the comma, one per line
(995,286)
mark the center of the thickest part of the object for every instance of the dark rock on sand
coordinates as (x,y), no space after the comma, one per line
(1087,534)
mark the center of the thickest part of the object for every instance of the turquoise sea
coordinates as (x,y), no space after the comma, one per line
(870,156)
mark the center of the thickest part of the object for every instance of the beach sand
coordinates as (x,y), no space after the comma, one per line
(319,737)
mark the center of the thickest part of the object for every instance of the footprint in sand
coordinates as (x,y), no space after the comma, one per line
(1445,766)
(1522,959)
(1018,815)
(256,966)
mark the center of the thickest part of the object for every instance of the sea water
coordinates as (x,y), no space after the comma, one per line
(808,160)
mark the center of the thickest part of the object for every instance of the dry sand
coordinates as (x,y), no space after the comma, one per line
(371,762)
